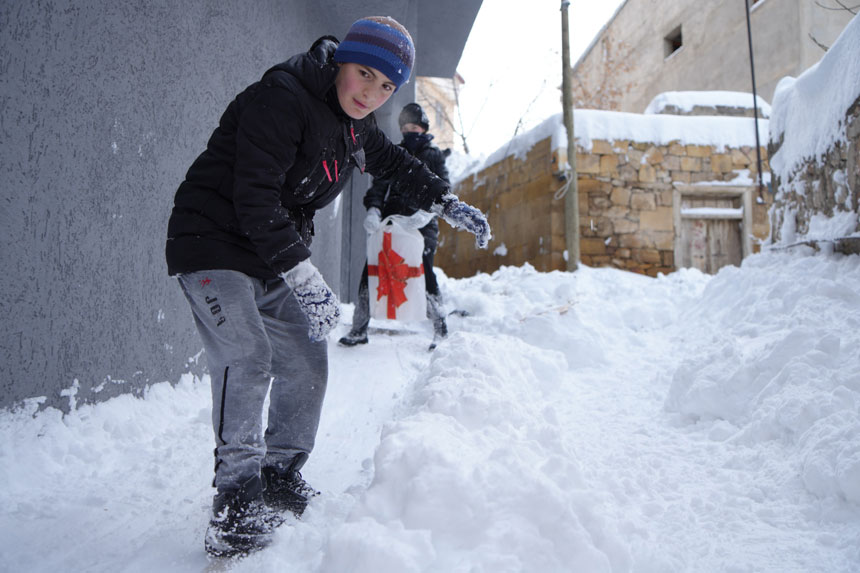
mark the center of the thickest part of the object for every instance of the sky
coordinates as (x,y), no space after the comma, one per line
(512,65)
(598,421)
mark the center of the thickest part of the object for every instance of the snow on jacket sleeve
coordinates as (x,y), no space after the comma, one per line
(267,139)
(388,161)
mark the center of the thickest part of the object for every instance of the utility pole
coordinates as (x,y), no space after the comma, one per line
(755,106)
(571,197)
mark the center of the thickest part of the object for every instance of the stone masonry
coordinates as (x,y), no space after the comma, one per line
(823,187)
(625,201)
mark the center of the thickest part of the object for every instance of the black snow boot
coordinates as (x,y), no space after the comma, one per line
(241,523)
(440,331)
(354,338)
(286,490)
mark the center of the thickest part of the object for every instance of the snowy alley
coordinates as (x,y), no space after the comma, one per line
(588,421)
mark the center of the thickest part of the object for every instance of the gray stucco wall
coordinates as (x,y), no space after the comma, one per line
(103,106)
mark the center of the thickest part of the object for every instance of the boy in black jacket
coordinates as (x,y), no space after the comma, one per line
(386,198)
(239,242)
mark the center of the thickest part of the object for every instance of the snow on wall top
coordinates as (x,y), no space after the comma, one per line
(809,111)
(718,131)
(687,100)
(591,124)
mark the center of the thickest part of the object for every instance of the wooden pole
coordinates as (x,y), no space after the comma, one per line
(571,198)
(755,106)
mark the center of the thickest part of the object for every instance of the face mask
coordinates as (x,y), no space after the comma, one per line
(413,141)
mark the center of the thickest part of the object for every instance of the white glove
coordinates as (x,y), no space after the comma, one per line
(464,216)
(317,301)
(371,221)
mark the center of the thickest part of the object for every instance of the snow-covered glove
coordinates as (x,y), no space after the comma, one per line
(372,220)
(316,299)
(464,216)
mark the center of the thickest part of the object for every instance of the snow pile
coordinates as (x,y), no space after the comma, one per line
(481,438)
(795,101)
(588,421)
(774,358)
(687,100)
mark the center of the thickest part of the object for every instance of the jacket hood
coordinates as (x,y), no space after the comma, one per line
(315,68)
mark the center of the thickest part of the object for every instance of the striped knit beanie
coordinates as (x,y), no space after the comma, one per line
(381,43)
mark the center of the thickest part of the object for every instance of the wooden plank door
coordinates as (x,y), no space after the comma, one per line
(711,231)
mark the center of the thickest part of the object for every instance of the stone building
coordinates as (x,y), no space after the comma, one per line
(651,46)
(656,193)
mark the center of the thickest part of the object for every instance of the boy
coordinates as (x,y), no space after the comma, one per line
(386,198)
(239,242)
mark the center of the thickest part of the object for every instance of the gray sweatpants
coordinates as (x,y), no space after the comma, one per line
(256,337)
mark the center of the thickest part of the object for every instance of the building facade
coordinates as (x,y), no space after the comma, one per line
(439,97)
(650,47)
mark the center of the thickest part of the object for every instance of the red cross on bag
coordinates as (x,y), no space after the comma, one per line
(396,274)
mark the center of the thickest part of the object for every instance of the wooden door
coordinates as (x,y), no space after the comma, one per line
(710,233)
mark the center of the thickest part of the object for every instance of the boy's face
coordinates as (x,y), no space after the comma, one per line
(362,89)
(411,128)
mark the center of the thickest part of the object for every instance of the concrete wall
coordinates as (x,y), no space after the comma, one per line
(627,64)
(103,106)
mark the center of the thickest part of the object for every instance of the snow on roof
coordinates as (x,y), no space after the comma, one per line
(809,111)
(687,100)
(590,124)
(519,146)
(718,131)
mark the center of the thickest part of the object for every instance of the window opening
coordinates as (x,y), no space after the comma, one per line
(673,41)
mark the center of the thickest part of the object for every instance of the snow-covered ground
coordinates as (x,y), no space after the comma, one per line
(590,421)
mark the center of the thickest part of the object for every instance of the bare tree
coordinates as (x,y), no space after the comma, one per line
(841,7)
(456,124)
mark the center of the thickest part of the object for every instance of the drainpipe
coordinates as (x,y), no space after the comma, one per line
(571,198)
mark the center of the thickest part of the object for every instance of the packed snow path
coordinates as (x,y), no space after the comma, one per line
(594,421)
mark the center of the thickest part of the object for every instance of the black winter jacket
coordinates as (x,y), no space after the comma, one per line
(284,149)
(392,197)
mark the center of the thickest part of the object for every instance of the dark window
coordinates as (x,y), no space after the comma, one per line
(673,41)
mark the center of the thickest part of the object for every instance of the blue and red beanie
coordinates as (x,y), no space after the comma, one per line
(381,43)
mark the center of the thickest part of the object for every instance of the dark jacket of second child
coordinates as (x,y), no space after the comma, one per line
(392,198)
(296,148)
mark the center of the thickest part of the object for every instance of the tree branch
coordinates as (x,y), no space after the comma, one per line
(817,43)
(841,7)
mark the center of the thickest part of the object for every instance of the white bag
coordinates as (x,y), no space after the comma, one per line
(395,273)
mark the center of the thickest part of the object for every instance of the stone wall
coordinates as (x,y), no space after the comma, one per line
(528,224)
(625,200)
(825,187)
